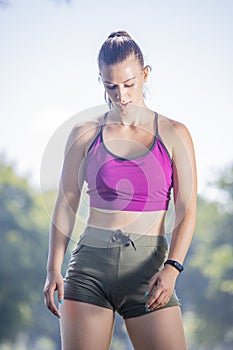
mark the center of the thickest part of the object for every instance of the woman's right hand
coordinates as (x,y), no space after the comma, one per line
(54,281)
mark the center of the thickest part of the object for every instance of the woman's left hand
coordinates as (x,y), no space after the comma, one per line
(162,285)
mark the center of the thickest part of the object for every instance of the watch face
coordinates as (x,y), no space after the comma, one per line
(176,264)
(179,266)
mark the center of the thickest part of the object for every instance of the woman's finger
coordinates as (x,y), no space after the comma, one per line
(159,298)
(60,290)
(49,300)
(160,302)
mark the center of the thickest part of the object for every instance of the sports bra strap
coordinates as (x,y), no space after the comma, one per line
(105,117)
(157,126)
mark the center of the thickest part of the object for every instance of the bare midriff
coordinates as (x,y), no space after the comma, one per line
(150,223)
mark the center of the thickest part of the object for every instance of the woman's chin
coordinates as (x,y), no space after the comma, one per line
(122,108)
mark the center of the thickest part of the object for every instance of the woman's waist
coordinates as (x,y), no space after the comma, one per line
(109,238)
(149,223)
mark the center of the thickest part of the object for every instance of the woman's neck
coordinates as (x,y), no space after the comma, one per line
(132,116)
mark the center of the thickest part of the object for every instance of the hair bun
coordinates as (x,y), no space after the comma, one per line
(118,34)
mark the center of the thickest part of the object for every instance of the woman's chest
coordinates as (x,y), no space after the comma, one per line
(128,144)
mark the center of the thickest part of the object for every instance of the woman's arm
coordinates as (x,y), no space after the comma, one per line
(67,202)
(185,192)
(64,214)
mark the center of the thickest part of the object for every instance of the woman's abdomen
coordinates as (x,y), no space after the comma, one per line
(128,221)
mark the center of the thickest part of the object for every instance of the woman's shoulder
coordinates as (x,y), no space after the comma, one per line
(83,133)
(172,128)
(174,134)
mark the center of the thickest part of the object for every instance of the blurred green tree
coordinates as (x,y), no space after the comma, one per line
(23,252)
(208,286)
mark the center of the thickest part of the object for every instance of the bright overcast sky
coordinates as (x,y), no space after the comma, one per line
(48,70)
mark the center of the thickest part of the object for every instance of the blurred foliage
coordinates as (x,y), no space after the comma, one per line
(206,286)
(23,255)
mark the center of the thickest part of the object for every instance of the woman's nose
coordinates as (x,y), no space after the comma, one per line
(120,95)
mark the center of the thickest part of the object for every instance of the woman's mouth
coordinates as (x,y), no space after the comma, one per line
(124,105)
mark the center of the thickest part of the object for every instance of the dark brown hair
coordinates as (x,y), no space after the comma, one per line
(117,47)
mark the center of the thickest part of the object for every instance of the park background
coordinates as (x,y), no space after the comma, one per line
(48,76)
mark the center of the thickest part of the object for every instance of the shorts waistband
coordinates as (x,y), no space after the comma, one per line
(107,238)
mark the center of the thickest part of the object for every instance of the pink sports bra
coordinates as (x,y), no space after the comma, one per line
(140,184)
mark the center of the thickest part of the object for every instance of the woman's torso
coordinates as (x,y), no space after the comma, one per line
(129,143)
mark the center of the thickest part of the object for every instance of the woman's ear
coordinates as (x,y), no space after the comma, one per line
(146,71)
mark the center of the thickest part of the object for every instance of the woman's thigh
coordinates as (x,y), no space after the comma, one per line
(158,330)
(85,326)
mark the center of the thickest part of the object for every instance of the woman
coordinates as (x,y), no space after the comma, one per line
(131,157)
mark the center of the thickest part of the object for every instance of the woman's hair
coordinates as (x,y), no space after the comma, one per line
(117,47)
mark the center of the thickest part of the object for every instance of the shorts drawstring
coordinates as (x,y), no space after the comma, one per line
(121,238)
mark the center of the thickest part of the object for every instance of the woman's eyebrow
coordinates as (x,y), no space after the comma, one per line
(109,82)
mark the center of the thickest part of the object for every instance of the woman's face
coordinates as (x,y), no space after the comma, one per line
(124,82)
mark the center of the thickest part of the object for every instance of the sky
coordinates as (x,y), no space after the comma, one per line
(49,74)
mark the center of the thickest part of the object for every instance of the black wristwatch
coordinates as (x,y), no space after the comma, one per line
(175,264)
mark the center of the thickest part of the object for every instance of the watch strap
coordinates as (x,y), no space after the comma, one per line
(175,264)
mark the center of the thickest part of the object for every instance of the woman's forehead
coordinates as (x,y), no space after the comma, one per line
(123,71)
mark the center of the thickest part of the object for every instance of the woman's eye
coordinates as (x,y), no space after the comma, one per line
(110,87)
(129,86)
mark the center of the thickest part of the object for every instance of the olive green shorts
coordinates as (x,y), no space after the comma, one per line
(113,269)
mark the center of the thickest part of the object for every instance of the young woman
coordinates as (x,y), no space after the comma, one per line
(130,158)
